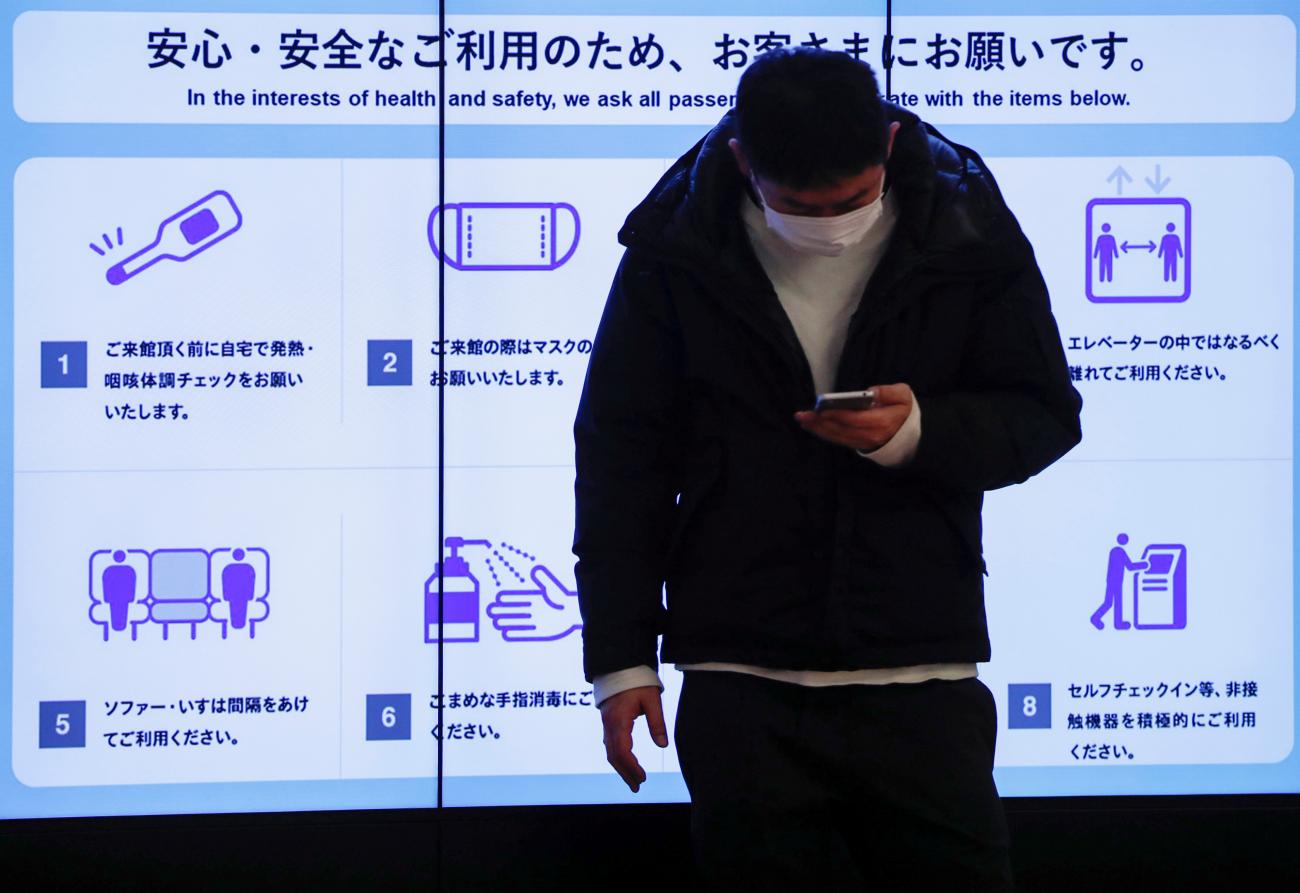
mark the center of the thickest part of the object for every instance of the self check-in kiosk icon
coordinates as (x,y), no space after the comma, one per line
(1152,590)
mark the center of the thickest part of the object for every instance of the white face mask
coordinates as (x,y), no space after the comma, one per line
(827,236)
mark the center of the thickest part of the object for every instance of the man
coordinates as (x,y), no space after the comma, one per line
(824,570)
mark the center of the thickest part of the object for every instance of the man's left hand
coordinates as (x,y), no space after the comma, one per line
(862,429)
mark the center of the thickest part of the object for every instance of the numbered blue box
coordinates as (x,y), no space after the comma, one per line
(388,363)
(388,717)
(63,364)
(62,724)
(1029,705)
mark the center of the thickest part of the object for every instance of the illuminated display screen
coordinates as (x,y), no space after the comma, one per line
(228,468)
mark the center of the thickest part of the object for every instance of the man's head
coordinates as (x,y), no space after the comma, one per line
(812,132)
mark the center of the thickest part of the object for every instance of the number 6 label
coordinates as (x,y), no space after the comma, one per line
(388,717)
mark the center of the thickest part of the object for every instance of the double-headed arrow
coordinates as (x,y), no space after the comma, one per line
(1149,246)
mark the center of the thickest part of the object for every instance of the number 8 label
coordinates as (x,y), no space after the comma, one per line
(1029,705)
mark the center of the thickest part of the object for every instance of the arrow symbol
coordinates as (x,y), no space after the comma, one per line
(1149,246)
(1157,185)
(1119,175)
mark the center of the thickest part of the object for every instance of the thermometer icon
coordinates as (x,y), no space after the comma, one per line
(190,231)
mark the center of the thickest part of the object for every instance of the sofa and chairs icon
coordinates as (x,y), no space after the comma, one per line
(179,587)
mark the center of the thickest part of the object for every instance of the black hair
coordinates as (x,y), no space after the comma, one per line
(807,116)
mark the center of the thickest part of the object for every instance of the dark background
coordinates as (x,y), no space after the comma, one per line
(1058,844)
(1107,843)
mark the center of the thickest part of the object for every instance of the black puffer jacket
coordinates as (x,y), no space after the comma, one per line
(777,548)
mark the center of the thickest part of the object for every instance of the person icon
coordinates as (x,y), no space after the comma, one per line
(1105,252)
(118,581)
(238,581)
(1171,248)
(1117,568)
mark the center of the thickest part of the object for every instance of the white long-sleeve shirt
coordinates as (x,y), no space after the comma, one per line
(819,295)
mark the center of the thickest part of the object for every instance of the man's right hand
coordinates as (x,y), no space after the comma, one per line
(617,713)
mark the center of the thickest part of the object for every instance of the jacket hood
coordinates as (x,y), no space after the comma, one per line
(951,212)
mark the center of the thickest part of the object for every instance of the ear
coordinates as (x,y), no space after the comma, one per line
(739,154)
(889,139)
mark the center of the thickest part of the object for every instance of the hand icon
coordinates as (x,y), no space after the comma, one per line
(544,614)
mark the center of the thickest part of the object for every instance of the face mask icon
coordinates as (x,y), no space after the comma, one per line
(190,231)
(505,235)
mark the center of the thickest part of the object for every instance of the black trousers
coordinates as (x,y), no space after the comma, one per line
(844,787)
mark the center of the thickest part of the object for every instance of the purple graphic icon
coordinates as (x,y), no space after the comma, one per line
(1105,254)
(118,580)
(108,243)
(460,596)
(240,586)
(130,587)
(1138,250)
(178,588)
(1160,589)
(1157,596)
(119,590)
(185,234)
(505,235)
(237,588)
(541,614)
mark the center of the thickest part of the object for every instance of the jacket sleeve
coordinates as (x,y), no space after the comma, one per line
(624,490)
(1015,411)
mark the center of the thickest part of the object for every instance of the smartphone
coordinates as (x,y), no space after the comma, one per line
(846,400)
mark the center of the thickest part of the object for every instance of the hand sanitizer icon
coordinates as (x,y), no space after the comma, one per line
(460,596)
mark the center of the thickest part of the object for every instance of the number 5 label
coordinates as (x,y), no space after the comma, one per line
(62,724)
